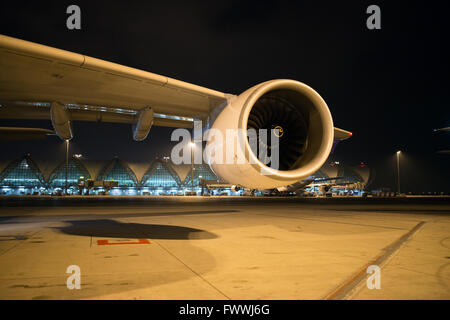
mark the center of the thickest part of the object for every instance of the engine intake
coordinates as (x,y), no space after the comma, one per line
(274,111)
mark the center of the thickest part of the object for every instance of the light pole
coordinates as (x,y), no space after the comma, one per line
(67,162)
(398,171)
(80,179)
(192,144)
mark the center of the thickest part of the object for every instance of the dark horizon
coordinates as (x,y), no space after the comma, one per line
(389,86)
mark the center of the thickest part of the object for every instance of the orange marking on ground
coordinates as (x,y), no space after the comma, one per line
(107,242)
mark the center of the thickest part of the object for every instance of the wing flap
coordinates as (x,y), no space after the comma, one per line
(41,111)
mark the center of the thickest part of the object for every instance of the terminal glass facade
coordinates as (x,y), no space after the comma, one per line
(159,176)
(200,171)
(22,173)
(119,171)
(75,171)
(23,176)
(350,176)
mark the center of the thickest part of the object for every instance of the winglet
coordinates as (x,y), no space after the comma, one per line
(341,134)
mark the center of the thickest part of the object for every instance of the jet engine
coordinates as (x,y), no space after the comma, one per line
(289,109)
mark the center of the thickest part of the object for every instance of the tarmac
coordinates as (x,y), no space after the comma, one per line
(224,248)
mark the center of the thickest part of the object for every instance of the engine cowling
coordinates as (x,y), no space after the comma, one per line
(305,134)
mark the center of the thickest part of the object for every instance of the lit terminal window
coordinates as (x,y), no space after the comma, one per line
(120,172)
(159,176)
(75,170)
(22,172)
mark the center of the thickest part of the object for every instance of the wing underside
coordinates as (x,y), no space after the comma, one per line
(39,74)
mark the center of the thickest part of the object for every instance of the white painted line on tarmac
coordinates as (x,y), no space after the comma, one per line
(345,288)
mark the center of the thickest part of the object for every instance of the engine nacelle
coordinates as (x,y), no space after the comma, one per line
(305,131)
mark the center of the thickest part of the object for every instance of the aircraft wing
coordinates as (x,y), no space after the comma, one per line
(41,82)
(34,75)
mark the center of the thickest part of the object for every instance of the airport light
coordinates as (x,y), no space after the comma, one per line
(398,170)
(192,144)
(67,163)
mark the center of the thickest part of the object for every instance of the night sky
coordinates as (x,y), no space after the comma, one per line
(390,87)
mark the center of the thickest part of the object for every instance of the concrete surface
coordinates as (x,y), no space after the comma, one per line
(223,248)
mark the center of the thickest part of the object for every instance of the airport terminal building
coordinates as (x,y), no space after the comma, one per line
(28,176)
